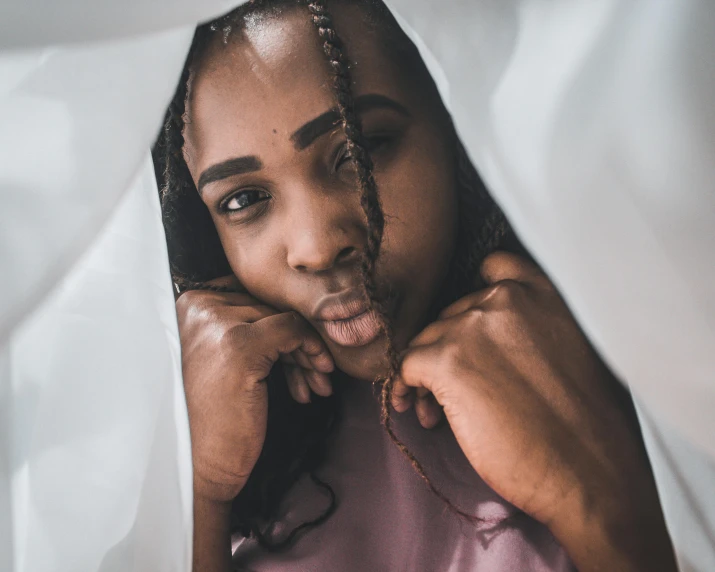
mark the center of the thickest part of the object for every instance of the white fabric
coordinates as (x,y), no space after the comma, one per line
(685,480)
(95,470)
(77,122)
(26,23)
(100,446)
(591,121)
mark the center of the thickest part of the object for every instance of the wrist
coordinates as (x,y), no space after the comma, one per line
(220,508)
(216,492)
(212,535)
(615,530)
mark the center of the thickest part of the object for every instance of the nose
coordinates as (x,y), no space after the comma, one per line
(323,232)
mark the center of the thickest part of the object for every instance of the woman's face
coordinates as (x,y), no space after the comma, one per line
(268,157)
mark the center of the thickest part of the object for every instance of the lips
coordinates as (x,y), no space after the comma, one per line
(347,320)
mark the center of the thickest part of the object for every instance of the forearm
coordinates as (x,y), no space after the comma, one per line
(212,536)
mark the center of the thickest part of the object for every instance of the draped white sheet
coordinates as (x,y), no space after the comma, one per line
(101,469)
(593,124)
(95,470)
(591,121)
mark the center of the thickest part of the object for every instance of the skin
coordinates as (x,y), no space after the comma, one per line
(303,243)
(527,398)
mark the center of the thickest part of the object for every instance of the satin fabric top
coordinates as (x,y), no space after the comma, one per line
(388,521)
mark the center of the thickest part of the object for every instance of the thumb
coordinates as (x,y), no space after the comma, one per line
(419,367)
(502,265)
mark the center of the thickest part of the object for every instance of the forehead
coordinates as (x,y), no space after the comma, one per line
(272,77)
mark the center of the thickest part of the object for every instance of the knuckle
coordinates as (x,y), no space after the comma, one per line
(493,257)
(193,306)
(503,323)
(410,366)
(450,355)
(285,320)
(431,332)
(185,302)
(473,315)
(238,334)
(295,320)
(506,291)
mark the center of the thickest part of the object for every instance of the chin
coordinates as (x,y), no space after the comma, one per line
(366,363)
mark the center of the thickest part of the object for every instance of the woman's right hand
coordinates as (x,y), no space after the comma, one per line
(229,342)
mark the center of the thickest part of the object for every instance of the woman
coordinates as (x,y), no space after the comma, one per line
(305,282)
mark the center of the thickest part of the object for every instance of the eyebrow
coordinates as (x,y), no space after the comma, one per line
(302,138)
(229,168)
(326,122)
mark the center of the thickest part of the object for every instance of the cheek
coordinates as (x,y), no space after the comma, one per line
(420,203)
(254,259)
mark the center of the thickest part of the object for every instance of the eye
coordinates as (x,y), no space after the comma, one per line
(242,200)
(374,144)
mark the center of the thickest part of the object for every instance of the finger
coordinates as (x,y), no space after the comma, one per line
(496,271)
(229,281)
(434,332)
(230,302)
(429,412)
(502,265)
(298,358)
(317,355)
(431,333)
(469,302)
(301,359)
(251,314)
(297,384)
(420,366)
(422,392)
(239,299)
(287,332)
(402,396)
(314,363)
(318,382)
(288,359)
(313,353)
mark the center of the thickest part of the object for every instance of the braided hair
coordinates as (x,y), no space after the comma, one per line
(296,437)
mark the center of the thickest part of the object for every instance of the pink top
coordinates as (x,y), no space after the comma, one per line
(388,521)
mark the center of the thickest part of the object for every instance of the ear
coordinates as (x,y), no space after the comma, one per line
(502,265)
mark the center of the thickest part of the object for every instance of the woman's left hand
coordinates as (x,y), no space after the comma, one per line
(537,415)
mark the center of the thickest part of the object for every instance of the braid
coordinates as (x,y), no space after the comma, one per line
(482,229)
(370,202)
(175,176)
(356,149)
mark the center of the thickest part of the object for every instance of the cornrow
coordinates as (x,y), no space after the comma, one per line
(197,256)
(483,229)
(357,151)
(370,202)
